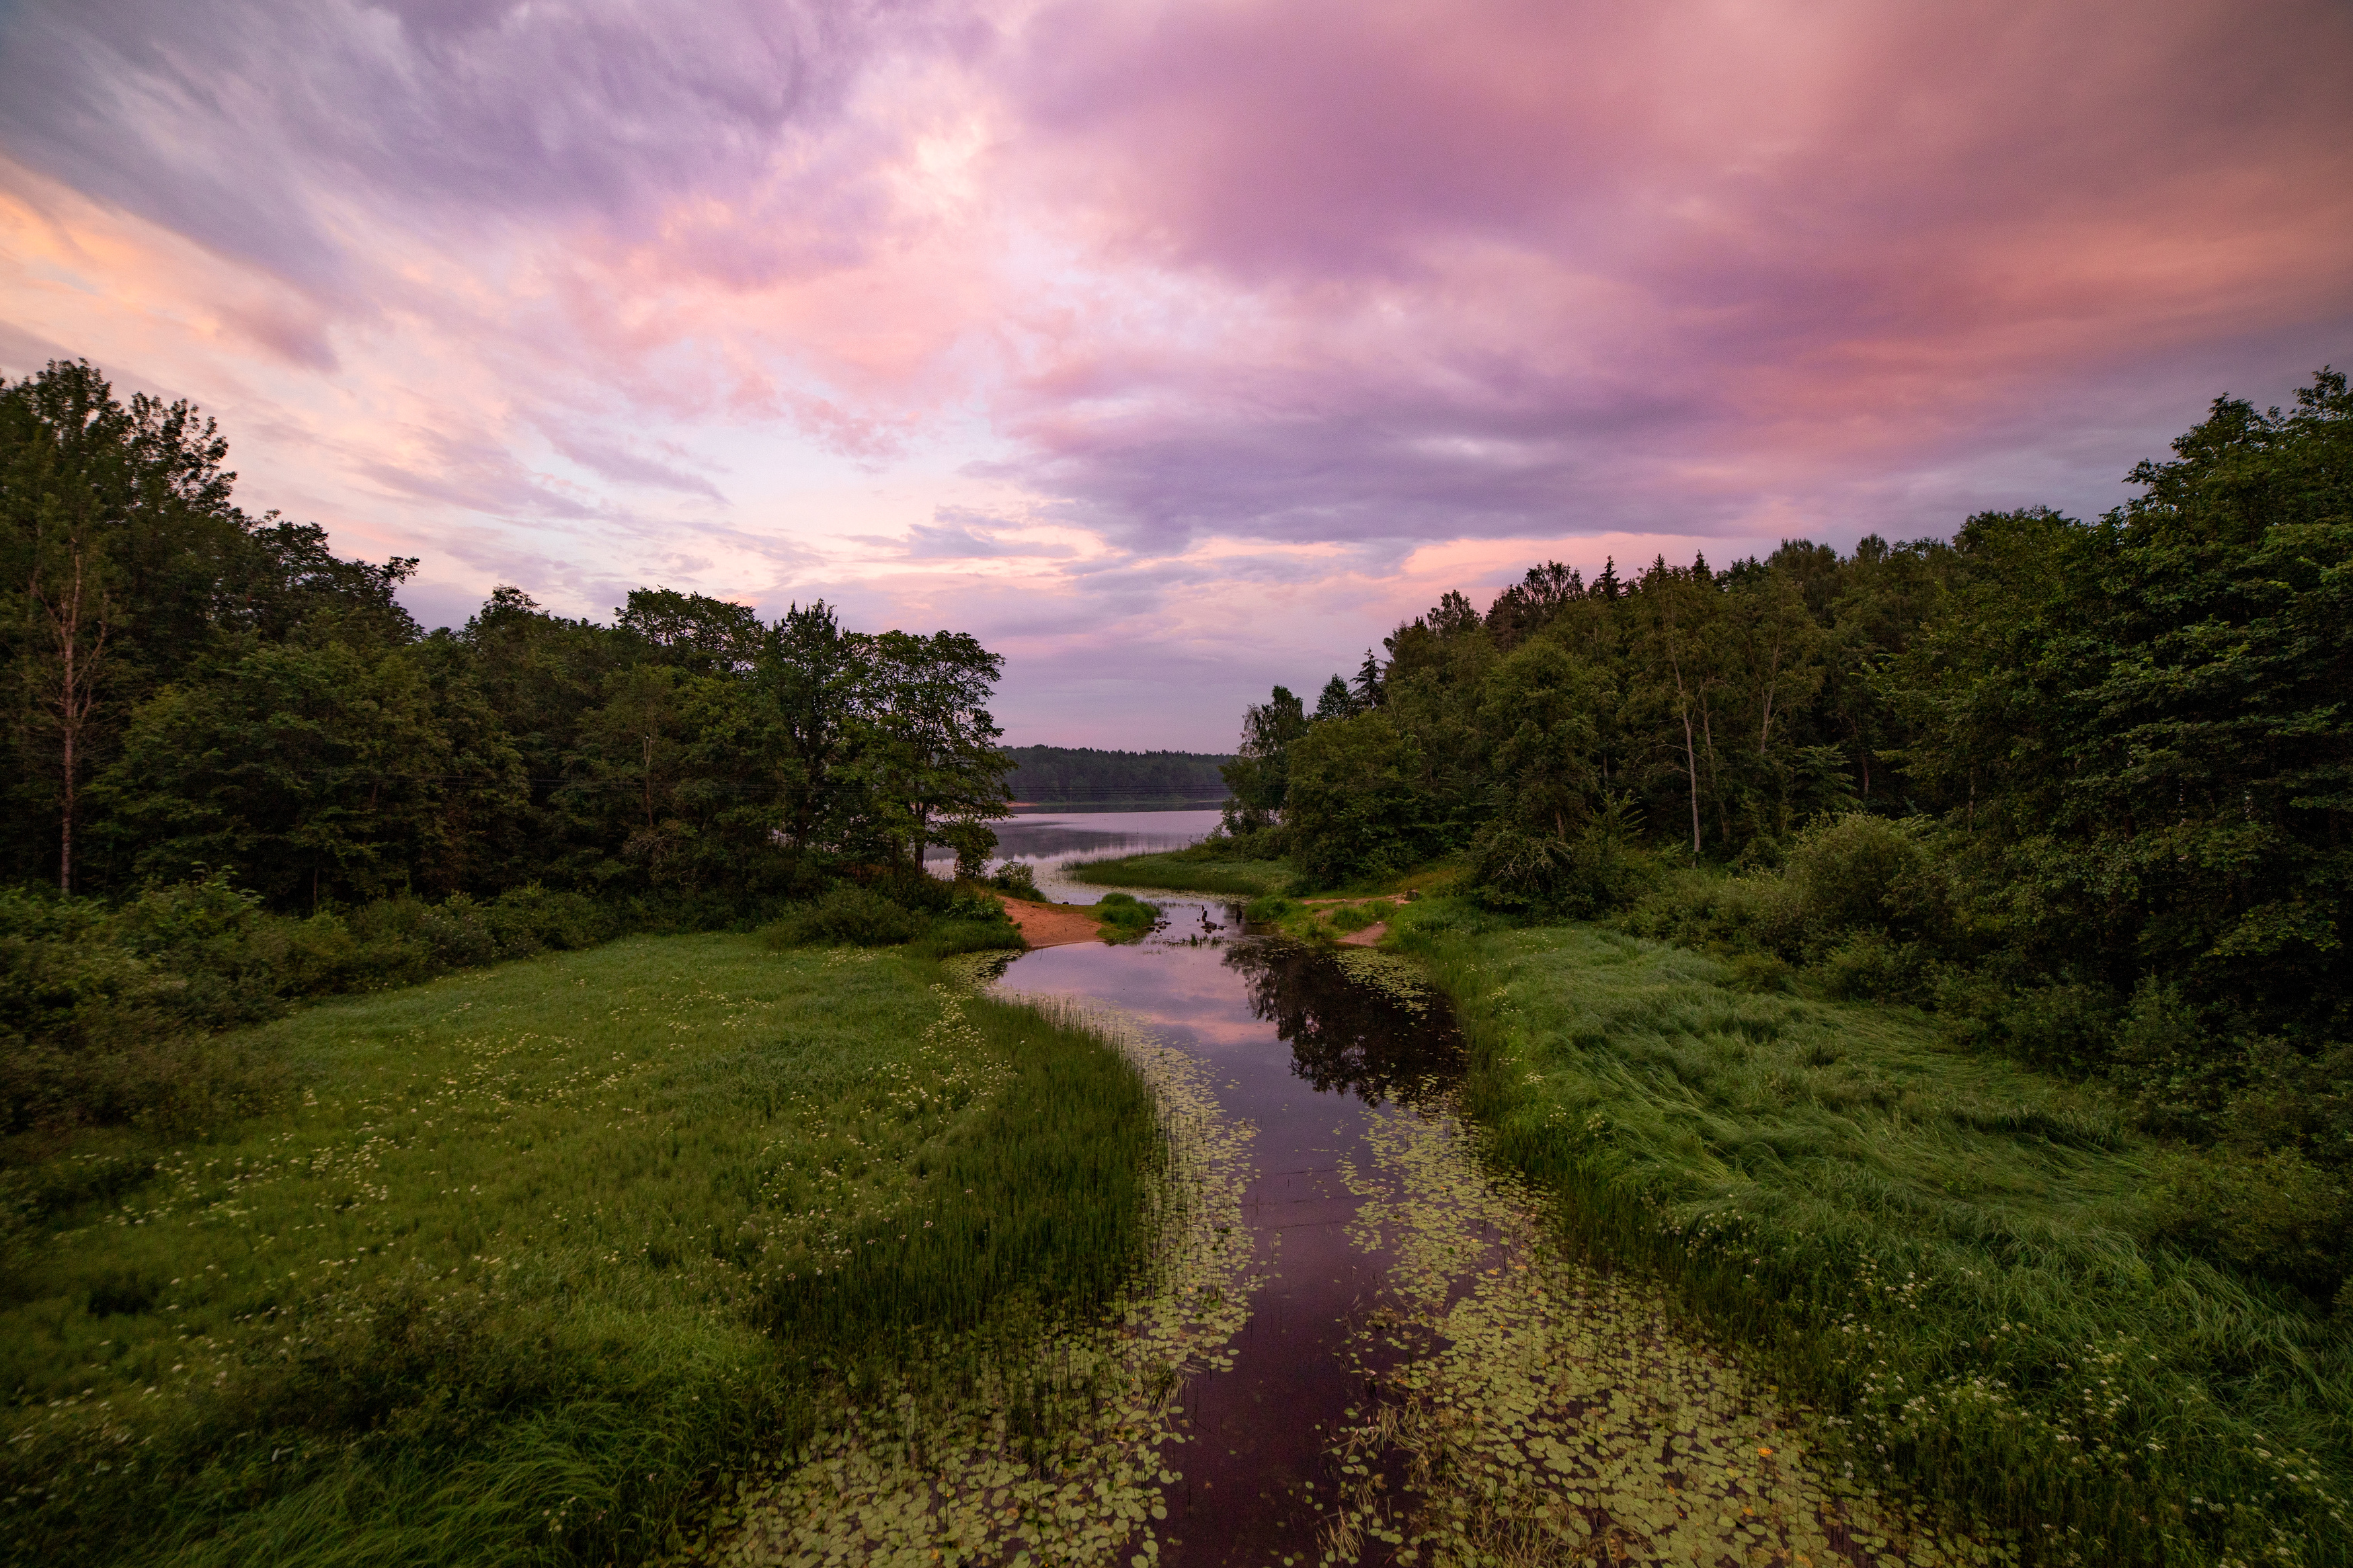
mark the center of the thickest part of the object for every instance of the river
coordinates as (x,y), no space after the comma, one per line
(1407,1369)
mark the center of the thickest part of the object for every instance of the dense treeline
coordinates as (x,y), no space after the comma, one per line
(1079,774)
(275,781)
(2085,789)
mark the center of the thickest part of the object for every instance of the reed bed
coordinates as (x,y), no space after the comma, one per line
(1179,872)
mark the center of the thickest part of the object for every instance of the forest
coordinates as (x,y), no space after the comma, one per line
(2080,791)
(238,771)
(1083,775)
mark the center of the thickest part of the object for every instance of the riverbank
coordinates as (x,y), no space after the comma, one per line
(1043,924)
(1953,1255)
(521,1261)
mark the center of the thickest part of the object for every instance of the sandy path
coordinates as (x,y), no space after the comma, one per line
(1052,925)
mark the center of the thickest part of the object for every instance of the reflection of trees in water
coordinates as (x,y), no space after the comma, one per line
(1345,1036)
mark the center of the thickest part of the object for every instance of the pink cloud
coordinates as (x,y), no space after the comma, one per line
(1179,348)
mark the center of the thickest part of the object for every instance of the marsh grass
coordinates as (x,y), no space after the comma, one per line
(1951,1254)
(1179,872)
(535,1255)
(1126,918)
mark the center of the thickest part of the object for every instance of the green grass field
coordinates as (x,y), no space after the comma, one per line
(534,1255)
(1177,873)
(1950,1254)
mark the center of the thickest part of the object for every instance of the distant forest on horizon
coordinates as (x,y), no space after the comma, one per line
(1085,774)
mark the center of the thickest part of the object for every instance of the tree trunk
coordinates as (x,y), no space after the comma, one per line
(65,827)
(1682,707)
(1691,768)
(81,651)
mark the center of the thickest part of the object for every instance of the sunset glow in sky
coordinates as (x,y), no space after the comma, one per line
(1174,349)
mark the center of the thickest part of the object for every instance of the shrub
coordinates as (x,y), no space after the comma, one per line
(854,916)
(1859,872)
(1354,917)
(1730,915)
(1582,877)
(527,918)
(977,904)
(1017,878)
(1270,841)
(2278,1217)
(2063,1028)
(1868,968)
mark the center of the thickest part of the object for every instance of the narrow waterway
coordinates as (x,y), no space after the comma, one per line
(1312,1062)
(1420,1375)
(1359,1345)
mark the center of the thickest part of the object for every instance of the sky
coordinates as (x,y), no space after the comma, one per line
(1174,349)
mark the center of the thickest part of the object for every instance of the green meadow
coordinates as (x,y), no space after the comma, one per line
(530,1258)
(1961,1261)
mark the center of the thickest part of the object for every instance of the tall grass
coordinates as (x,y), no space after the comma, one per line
(1953,1254)
(533,1255)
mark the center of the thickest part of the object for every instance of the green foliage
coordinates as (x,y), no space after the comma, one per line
(1084,775)
(1128,917)
(1993,1284)
(198,689)
(1259,778)
(1353,806)
(534,1253)
(1017,878)
(103,1009)
(858,917)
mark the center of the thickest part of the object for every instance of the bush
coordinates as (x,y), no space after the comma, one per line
(1270,841)
(528,919)
(1868,968)
(2276,1216)
(1017,878)
(1724,914)
(1859,872)
(852,916)
(1269,909)
(103,1008)
(2060,1029)
(972,903)
(1543,875)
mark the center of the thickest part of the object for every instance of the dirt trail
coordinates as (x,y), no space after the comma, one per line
(1052,925)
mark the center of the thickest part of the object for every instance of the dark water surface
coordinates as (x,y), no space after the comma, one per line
(1309,1058)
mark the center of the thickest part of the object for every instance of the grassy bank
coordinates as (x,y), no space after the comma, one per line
(1181,872)
(1953,1254)
(525,1256)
